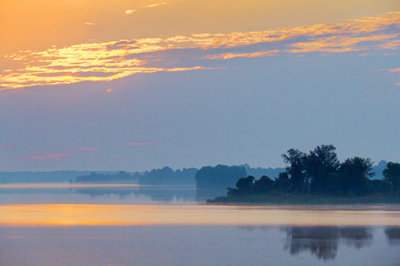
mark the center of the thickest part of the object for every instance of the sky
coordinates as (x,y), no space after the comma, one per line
(135,85)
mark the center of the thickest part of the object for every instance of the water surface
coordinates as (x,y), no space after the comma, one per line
(117,224)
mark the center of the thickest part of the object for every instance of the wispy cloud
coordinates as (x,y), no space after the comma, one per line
(247,55)
(130,11)
(155,5)
(117,59)
(47,156)
(87,149)
(7,146)
(140,143)
(395,70)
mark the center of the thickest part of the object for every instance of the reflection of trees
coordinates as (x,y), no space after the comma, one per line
(100,192)
(323,242)
(393,235)
(357,237)
(156,193)
(320,241)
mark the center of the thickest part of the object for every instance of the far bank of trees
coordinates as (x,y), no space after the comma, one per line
(320,172)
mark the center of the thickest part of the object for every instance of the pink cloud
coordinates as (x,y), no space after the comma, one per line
(87,149)
(7,146)
(48,156)
(140,143)
(397,84)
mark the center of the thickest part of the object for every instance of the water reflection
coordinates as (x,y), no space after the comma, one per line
(323,242)
(356,237)
(96,193)
(154,193)
(124,224)
(197,245)
(393,235)
(320,241)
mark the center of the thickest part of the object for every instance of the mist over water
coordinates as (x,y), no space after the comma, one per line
(165,225)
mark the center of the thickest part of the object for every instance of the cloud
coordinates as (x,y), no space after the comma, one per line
(397,84)
(87,149)
(7,146)
(155,5)
(48,156)
(109,90)
(140,143)
(89,23)
(246,55)
(107,61)
(130,11)
(395,70)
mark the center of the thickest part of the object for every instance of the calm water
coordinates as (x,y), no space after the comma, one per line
(57,224)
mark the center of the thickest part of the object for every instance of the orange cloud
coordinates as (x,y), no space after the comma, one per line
(107,61)
(130,11)
(155,5)
(239,55)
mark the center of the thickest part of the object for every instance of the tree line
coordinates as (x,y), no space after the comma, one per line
(320,172)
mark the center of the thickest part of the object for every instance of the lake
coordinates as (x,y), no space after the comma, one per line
(114,224)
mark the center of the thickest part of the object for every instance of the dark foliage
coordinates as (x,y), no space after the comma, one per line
(320,172)
(392,176)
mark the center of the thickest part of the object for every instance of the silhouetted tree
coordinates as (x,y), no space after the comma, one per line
(355,173)
(379,186)
(320,172)
(296,170)
(282,182)
(245,184)
(319,165)
(392,176)
(264,185)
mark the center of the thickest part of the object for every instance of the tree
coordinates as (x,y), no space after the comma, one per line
(319,165)
(264,185)
(282,182)
(295,170)
(245,185)
(392,176)
(355,174)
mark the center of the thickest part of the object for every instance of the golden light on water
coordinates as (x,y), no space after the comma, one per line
(131,215)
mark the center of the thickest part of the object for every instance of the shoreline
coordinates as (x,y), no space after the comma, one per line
(262,200)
